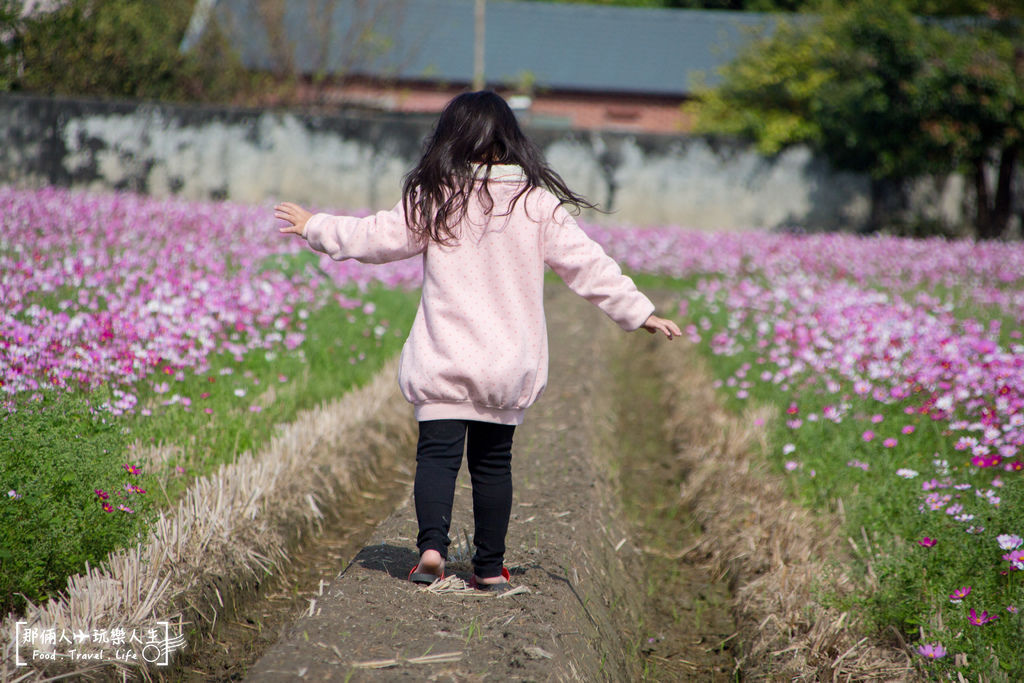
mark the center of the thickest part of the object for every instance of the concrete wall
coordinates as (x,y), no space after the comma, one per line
(357,161)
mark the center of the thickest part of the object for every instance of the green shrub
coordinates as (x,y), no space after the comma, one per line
(116,48)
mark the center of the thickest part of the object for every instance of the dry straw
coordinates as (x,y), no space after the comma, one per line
(774,551)
(214,546)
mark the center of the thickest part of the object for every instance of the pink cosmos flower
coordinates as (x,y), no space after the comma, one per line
(1012,609)
(959,594)
(890,442)
(1009,541)
(130,469)
(982,619)
(107,507)
(102,494)
(868,435)
(927,542)
(908,429)
(932,650)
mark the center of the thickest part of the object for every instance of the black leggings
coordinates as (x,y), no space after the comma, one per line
(438,458)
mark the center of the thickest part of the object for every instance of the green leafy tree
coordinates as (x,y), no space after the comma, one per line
(766,94)
(880,91)
(977,80)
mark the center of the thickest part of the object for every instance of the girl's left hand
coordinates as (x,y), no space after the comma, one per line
(295,215)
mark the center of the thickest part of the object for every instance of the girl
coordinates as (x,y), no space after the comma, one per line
(486,214)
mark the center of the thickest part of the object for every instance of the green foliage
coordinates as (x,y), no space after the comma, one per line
(979,93)
(117,48)
(54,454)
(871,108)
(879,90)
(767,93)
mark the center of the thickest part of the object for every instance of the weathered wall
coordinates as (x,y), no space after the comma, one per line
(356,161)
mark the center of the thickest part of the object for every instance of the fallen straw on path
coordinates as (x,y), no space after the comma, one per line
(439,658)
(453,585)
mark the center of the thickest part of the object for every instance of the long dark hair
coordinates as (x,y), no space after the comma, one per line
(474,128)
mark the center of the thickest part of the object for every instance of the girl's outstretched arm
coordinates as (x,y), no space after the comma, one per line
(669,328)
(378,238)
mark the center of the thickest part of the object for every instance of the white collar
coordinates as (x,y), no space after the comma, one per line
(500,172)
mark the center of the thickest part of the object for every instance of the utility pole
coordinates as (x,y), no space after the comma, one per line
(478,44)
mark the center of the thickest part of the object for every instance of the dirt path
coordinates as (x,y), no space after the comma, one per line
(592,538)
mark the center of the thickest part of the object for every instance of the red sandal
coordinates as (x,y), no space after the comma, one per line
(500,587)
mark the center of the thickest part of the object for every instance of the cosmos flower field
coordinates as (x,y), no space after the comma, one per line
(896,365)
(112,289)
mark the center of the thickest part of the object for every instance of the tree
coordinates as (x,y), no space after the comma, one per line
(113,48)
(977,79)
(880,91)
(766,93)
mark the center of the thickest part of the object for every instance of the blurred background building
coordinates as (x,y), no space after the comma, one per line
(561,65)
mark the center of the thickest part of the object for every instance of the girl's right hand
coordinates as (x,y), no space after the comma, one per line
(655,324)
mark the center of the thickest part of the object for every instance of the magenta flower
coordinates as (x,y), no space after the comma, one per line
(1016,559)
(890,442)
(868,435)
(959,594)
(107,507)
(927,542)
(130,469)
(102,494)
(932,650)
(981,619)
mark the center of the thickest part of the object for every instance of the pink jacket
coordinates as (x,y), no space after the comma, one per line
(478,347)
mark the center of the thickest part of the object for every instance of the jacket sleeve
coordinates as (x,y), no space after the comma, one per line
(591,273)
(379,238)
